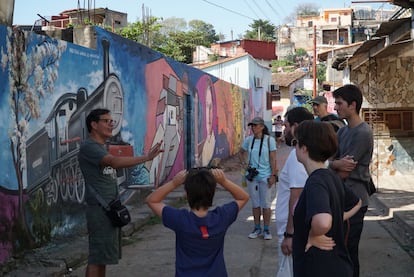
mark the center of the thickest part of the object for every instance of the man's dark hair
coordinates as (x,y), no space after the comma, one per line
(297,115)
(95,115)
(319,138)
(200,186)
(350,93)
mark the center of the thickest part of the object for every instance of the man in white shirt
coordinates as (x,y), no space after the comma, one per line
(292,179)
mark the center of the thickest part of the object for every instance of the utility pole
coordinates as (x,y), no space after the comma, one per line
(314,61)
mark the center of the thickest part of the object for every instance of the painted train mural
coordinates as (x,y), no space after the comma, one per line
(48,87)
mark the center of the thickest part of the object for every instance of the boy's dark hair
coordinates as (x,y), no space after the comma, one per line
(200,186)
(95,115)
(319,137)
(350,93)
(297,115)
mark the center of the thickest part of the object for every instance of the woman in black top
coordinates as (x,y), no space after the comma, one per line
(319,240)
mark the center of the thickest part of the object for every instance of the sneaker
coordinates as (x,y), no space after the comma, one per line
(255,233)
(267,235)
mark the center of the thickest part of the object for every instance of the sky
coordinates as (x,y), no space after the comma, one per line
(230,17)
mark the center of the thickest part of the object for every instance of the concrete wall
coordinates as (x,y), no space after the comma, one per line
(244,72)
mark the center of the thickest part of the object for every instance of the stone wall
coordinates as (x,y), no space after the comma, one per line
(387,83)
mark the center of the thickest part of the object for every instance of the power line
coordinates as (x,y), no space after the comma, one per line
(248,5)
(273,9)
(260,9)
(224,8)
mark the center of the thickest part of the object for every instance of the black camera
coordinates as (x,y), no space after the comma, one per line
(251,173)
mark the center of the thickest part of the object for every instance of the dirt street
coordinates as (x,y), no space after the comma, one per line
(151,251)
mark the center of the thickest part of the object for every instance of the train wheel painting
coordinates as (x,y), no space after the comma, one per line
(79,185)
(39,195)
(63,184)
(51,192)
(71,183)
(113,100)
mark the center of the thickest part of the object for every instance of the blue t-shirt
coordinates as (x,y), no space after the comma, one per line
(200,240)
(262,163)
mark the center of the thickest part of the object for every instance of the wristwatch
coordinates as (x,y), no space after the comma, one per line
(287,235)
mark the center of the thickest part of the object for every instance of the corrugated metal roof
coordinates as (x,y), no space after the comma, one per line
(385,41)
(386,28)
(286,79)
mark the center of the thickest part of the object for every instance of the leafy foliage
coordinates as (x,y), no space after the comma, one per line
(261,30)
(142,32)
(307,9)
(171,36)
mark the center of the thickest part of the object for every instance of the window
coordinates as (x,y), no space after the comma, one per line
(390,122)
(275,93)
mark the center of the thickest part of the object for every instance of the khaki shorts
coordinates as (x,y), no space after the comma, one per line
(260,193)
(104,239)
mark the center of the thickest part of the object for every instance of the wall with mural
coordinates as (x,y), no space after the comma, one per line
(48,87)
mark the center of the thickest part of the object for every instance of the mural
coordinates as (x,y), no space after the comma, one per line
(49,86)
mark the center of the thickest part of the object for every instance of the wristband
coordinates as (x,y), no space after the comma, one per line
(287,235)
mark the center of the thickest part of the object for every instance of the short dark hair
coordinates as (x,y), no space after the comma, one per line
(200,186)
(297,115)
(350,93)
(319,137)
(95,115)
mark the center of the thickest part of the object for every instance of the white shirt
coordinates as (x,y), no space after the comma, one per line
(293,175)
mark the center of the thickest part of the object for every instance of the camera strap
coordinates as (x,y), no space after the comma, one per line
(98,197)
(260,149)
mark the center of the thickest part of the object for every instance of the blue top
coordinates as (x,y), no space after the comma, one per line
(200,240)
(262,164)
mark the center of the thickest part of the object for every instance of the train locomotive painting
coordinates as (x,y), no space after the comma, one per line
(52,165)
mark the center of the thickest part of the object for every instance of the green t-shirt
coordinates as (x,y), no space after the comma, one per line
(103,179)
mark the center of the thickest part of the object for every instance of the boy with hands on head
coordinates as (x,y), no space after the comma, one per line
(199,231)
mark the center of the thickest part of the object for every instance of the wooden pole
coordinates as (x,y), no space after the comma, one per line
(314,61)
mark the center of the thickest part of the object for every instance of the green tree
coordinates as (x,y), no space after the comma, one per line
(302,10)
(207,30)
(261,30)
(307,9)
(180,45)
(173,25)
(171,36)
(321,73)
(142,31)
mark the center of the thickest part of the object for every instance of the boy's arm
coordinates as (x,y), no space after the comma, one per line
(240,195)
(154,200)
(354,210)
